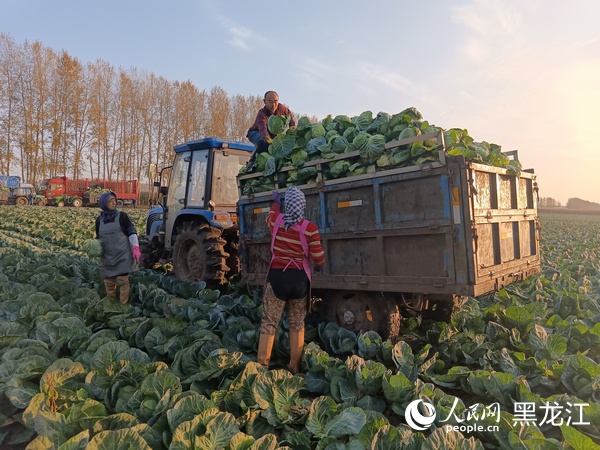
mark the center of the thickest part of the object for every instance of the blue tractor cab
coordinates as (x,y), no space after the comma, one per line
(195,225)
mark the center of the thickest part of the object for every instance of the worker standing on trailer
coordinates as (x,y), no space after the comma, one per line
(259,133)
(295,242)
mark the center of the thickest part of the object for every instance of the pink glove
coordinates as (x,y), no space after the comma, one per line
(276,197)
(137,254)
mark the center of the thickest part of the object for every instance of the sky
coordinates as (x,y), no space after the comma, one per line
(521,74)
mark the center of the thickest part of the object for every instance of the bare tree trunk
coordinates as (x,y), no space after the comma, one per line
(58,117)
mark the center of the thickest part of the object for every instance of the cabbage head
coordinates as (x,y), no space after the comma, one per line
(411,114)
(314,145)
(409,132)
(303,122)
(277,124)
(342,123)
(292,178)
(339,144)
(481,148)
(299,157)
(419,150)
(331,134)
(270,167)
(282,146)
(306,173)
(360,140)
(93,248)
(261,161)
(457,137)
(350,133)
(364,120)
(514,167)
(357,169)
(383,161)
(373,148)
(459,150)
(400,156)
(380,124)
(339,168)
(317,130)
(497,158)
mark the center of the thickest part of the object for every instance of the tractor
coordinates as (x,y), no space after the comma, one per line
(194,225)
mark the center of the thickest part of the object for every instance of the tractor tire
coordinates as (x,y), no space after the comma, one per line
(77,203)
(363,311)
(120,203)
(40,202)
(199,254)
(21,201)
(60,204)
(232,247)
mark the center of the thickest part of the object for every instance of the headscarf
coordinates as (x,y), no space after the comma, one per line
(294,206)
(107,216)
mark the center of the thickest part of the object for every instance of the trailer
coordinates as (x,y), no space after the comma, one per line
(63,191)
(127,192)
(405,240)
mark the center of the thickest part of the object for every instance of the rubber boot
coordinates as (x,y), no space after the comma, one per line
(111,287)
(265,347)
(123,283)
(296,347)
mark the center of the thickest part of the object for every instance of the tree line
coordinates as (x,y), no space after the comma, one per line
(59,116)
(573,203)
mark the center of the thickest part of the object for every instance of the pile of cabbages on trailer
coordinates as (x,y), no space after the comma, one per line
(293,147)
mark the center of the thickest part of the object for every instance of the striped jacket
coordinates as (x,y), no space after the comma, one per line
(288,246)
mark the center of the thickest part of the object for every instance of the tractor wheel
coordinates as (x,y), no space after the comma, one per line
(232,247)
(21,201)
(363,311)
(77,202)
(120,203)
(198,254)
(60,204)
(41,202)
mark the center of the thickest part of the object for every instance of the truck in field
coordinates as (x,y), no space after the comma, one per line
(13,192)
(64,191)
(397,240)
(195,226)
(405,239)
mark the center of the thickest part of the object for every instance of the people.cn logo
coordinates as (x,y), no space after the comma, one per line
(415,419)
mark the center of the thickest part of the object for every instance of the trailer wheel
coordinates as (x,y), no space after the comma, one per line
(363,311)
(440,308)
(77,202)
(21,201)
(198,254)
(388,318)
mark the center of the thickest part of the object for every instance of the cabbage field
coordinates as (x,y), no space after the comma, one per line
(175,368)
